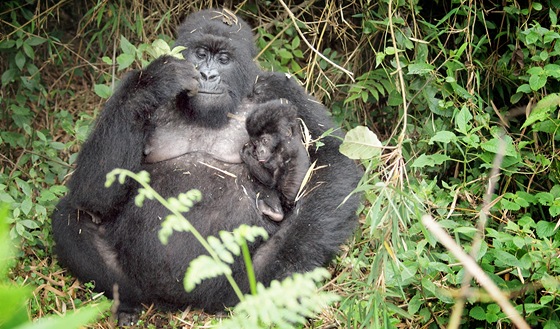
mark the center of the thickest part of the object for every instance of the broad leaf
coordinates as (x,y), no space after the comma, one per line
(361,143)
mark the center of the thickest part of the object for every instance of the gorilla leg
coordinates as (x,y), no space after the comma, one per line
(81,246)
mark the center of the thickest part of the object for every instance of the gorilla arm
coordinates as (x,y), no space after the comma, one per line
(119,135)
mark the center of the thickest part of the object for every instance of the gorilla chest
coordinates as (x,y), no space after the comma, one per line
(173,139)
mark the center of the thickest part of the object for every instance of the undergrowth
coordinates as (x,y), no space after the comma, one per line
(448,87)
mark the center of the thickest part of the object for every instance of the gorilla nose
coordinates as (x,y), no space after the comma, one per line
(210,75)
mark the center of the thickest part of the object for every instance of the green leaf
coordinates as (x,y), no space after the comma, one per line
(395,98)
(20,60)
(516,98)
(284,53)
(477,313)
(177,52)
(527,197)
(220,249)
(528,308)
(443,136)
(13,303)
(554,210)
(7,43)
(103,91)
(6,198)
(127,47)
(75,319)
(25,187)
(249,233)
(8,76)
(295,42)
(491,317)
(26,206)
(230,242)
(543,108)
(535,70)
(35,41)
(524,88)
(390,50)
(493,146)
(429,286)
(545,229)
(553,17)
(430,160)
(420,68)
(545,198)
(361,143)
(379,57)
(125,60)
(537,6)
(107,60)
(28,50)
(414,304)
(536,82)
(503,257)
(462,120)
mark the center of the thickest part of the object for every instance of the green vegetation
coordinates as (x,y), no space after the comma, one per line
(463,96)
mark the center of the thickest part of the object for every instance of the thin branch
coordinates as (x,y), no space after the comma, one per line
(472,267)
(400,74)
(294,21)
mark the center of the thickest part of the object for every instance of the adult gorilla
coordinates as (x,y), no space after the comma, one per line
(175,122)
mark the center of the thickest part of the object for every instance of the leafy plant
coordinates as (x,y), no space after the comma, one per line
(132,54)
(13,298)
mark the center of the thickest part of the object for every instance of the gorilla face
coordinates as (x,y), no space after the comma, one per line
(217,93)
(265,146)
(227,71)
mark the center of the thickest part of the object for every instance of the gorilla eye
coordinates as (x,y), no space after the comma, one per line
(201,53)
(224,59)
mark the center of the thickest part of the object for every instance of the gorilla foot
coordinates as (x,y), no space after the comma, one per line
(127,318)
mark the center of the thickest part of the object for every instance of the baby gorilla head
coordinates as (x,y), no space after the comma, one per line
(271,129)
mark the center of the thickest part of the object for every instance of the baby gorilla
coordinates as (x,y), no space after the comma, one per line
(275,156)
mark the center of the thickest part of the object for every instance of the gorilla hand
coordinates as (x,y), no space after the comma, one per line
(171,76)
(248,154)
(275,85)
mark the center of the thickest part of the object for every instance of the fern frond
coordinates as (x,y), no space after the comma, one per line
(284,304)
(204,267)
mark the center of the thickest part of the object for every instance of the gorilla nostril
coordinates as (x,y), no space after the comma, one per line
(209,75)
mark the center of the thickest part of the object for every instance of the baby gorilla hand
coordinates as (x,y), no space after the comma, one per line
(274,85)
(248,153)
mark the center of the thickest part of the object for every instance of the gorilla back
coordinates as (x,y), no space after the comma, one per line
(102,236)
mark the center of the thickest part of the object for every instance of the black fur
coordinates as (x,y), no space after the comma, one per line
(276,156)
(102,236)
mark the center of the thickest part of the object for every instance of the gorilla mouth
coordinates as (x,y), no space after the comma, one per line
(210,92)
